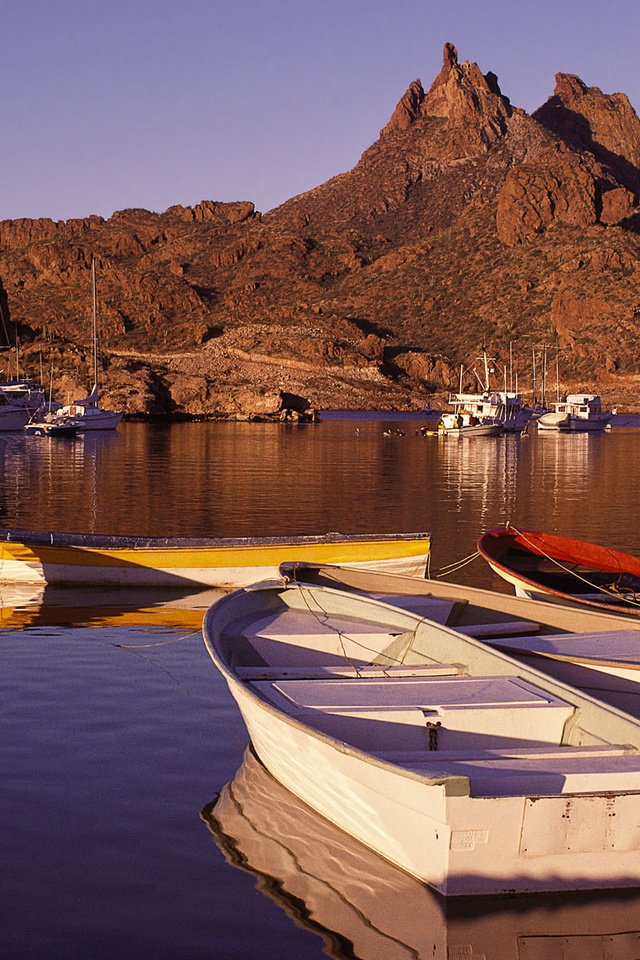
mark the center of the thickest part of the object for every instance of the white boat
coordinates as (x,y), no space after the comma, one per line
(504,407)
(51,425)
(362,906)
(577,412)
(466,769)
(87,413)
(465,425)
(596,651)
(19,400)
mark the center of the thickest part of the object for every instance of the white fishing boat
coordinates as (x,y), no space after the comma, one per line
(81,559)
(466,769)
(595,651)
(361,906)
(87,413)
(465,425)
(577,412)
(491,406)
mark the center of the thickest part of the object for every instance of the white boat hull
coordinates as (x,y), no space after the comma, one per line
(458,845)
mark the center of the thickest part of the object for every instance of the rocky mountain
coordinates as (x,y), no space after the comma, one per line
(467,222)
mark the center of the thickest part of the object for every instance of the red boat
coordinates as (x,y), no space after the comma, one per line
(548,566)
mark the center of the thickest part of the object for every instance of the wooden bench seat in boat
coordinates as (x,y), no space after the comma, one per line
(531,772)
(506,628)
(431,608)
(442,611)
(349,671)
(389,713)
(606,647)
(305,638)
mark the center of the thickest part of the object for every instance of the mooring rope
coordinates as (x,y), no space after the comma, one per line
(450,568)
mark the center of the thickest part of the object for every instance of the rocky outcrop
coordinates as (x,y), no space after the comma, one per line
(556,189)
(466,222)
(605,125)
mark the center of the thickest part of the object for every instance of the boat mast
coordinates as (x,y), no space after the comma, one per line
(533,377)
(95,323)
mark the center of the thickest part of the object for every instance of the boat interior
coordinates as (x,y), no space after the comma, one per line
(408,691)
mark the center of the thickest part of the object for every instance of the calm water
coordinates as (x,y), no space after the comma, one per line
(116,730)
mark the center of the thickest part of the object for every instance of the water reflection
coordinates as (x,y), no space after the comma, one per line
(241,479)
(363,907)
(25,605)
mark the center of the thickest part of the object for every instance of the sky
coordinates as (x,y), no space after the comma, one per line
(147,103)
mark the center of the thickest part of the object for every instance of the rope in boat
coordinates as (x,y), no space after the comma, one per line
(325,621)
(616,594)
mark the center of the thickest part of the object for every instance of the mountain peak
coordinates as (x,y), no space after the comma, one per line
(461,94)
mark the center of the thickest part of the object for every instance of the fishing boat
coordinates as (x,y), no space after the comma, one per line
(577,412)
(87,413)
(361,906)
(597,652)
(559,568)
(505,407)
(28,556)
(465,425)
(468,770)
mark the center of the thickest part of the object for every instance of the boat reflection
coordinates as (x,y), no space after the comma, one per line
(27,605)
(363,907)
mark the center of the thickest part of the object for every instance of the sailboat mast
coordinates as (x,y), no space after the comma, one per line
(95,323)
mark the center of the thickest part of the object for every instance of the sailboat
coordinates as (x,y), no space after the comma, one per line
(86,413)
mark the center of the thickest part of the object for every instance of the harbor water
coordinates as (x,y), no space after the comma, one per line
(119,837)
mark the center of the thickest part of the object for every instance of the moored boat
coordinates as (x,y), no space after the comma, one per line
(597,652)
(466,425)
(577,412)
(560,568)
(28,556)
(465,769)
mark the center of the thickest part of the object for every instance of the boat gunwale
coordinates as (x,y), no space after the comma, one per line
(97,541)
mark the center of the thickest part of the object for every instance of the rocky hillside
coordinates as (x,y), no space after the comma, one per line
(468,222)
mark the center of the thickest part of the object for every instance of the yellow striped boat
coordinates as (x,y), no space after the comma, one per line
(28,556)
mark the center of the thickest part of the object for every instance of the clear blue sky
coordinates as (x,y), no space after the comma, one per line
(146,103)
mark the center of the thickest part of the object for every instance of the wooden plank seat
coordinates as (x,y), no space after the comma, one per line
(606,647)
(504,773)
(304,638)
(506,628)
(347,670)
(431,608)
